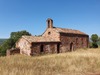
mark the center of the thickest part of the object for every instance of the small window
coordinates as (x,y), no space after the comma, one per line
(49,33)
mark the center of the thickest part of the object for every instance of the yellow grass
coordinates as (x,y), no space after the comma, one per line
(80,62)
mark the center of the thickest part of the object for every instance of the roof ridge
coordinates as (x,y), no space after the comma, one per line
(67,30)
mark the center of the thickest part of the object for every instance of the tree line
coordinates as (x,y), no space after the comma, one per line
(10,43)
(95,41)
(14,37)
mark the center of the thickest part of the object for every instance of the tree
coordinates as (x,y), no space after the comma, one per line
(8,44)
(99,39)
(16,35)
(94,39)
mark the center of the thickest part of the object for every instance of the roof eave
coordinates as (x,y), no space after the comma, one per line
(48,42)
(73,33)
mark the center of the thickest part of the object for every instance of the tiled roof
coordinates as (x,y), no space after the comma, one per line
(64,30)
(50,39)
(39,39)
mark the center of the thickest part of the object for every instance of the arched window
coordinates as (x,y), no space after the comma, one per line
(48,23)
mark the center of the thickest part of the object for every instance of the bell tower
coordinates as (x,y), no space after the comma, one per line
(49,23)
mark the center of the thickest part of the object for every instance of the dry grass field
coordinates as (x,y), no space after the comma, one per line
(80,62)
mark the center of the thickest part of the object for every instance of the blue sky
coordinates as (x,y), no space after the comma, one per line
(31,15)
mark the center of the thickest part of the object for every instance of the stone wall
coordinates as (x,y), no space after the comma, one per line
(12,51)
(43,48)
(24,46)
(50,32)
(76,41)
(67,42)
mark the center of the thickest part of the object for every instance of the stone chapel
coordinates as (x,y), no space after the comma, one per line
(53,40)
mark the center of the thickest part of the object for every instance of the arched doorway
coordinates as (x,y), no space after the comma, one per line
(41,49)
(71,46)
(58,46)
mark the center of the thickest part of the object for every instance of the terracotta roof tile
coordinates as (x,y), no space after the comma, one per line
(63,30)
(50,39)
(39,39)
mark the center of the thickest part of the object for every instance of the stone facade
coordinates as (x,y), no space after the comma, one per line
(70,42)
(53,40)
(12,51)
(24,46)
(45,48)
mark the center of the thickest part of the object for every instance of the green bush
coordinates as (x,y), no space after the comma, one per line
(10,43)
(94,45)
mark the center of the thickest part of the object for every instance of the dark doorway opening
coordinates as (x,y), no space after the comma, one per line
(71,46)
(58,46)
(41,49)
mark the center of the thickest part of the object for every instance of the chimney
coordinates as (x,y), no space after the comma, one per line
(49,23)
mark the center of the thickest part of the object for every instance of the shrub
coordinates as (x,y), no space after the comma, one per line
(94,45)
